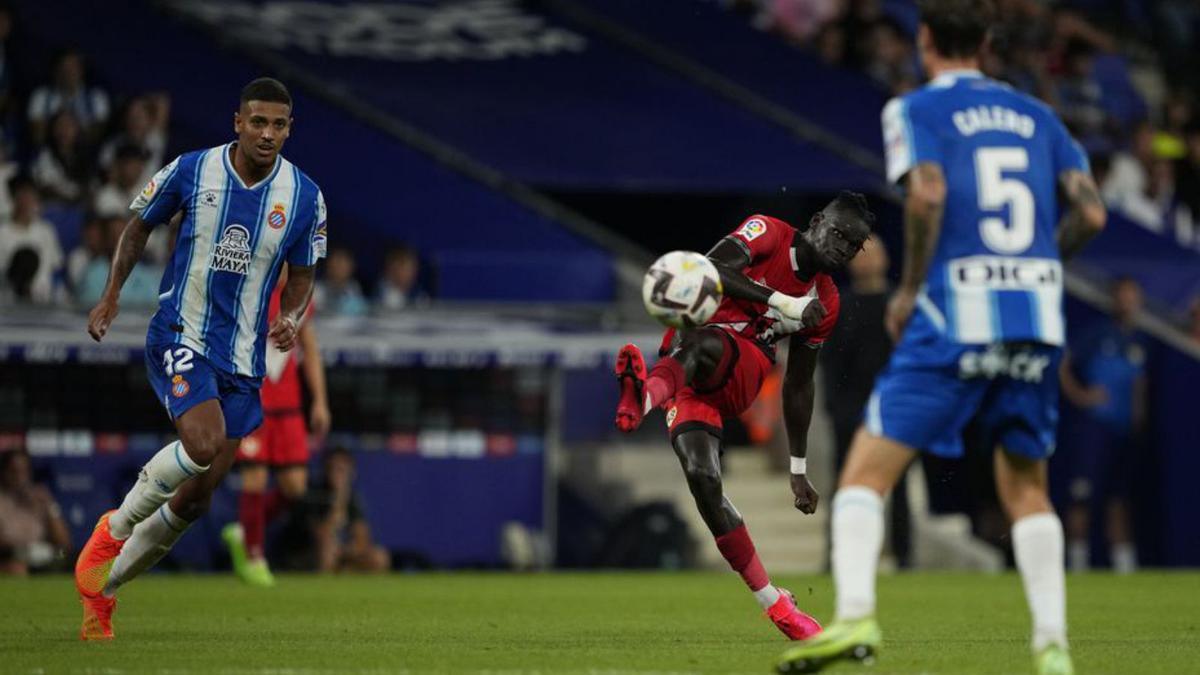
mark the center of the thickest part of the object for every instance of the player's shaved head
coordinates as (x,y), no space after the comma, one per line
(957,27)
(268,90)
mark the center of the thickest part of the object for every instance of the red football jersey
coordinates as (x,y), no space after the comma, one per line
(772,264)
(281,385)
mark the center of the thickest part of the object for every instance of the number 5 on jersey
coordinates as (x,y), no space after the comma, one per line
(996,190)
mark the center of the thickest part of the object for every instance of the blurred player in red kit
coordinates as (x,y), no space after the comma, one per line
(281,443)
(776,286)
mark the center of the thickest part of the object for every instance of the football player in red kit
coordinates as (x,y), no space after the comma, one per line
(776,286)
(281,443)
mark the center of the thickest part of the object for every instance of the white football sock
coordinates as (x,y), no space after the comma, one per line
(1038,546)
(1078,555)
(857,539)
(1124,558)
(156,484)
(151,540)
(767,596)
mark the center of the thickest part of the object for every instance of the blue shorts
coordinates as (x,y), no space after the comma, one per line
(183,379)
(932,387)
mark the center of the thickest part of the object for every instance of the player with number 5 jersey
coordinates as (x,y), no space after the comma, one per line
(977,318)
(246,212)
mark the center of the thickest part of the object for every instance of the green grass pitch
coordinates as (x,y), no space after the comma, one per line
(601,623)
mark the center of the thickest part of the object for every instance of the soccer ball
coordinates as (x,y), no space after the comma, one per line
(682,289)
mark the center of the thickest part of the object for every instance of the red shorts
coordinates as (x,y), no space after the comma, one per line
(281,440)
(734,386)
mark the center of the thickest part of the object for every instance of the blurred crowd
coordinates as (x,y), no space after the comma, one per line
(402,284)
(72,158)
(71,161)
(74,155)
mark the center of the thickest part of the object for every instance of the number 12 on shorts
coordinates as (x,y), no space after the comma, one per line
(177,360)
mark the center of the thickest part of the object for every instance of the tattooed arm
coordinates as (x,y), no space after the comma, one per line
(923,208)
(129,252)
(1085,215)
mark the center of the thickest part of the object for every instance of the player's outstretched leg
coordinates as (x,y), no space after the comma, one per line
(699,454)
(1037,536)
(695,356)
(873,466)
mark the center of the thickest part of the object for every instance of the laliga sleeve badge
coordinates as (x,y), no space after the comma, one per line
(179,387)
(148,191)
(752,229)
(671,414)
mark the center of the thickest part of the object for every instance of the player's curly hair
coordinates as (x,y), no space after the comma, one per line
(958,27)
(267,89)
(854,203)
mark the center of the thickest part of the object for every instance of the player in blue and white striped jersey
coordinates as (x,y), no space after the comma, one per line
(247,212)
(978,319)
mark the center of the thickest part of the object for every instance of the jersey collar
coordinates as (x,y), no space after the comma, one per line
(794,261)
(238,179)
(949,77)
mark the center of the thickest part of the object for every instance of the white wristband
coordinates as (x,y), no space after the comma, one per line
(789,305)
(799,466)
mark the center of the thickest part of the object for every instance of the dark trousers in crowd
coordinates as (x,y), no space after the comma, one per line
(900,519)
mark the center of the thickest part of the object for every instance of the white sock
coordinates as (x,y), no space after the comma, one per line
(1038,545)
(1078,556)
(151,540)
(767,596)
(156,484)
(857,539)
(1124,558)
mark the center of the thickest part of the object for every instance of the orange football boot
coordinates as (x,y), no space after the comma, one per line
(91,574)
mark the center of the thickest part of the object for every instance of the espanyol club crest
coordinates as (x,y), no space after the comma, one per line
(179,387)
(277,218)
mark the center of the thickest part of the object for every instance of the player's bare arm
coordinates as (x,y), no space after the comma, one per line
(923,208)
(294,300)
(1085,216)
(799,392)
(314,373)
(730,257)
(129,252)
